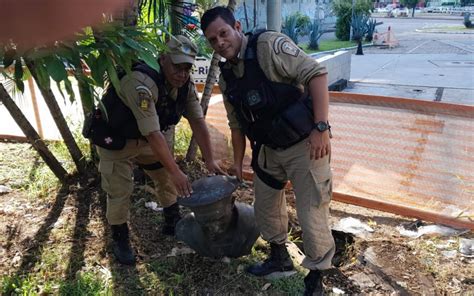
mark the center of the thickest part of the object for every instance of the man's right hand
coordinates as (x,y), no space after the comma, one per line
(181,182)
(236,170)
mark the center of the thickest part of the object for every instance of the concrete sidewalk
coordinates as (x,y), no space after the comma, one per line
(437,77)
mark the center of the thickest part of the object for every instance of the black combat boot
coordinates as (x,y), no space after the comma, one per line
(313,283)
(122,249)
(278,261)
(172,217)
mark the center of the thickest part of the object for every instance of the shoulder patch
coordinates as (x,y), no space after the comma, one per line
(289,48)
(144,96)
(141,89)
(277,44)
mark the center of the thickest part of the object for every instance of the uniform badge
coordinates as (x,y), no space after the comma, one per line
(282,44)
(144,104)
(290,49)
(144,96)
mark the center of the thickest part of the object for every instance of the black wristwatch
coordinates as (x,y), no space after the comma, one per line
(322,126)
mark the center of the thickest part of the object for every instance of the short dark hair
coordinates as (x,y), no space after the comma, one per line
(212,14)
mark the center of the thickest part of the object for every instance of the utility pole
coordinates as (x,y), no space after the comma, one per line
(352,17)
(274,15)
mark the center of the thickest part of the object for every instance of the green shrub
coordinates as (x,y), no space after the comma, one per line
(343,25)
(302,20)
(296,25)
(343,11)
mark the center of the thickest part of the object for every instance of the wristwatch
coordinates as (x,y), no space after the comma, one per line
(322,126)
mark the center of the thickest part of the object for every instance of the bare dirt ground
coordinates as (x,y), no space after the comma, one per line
(56,238)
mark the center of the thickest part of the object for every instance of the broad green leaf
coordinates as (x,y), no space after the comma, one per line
(19,75)
(56,68)
(148,58)
(112,74)
(86,91)
(42,75)
(60,88)
(9,58)
(69,89)
(98,70)
(132,43)
(149,46)
(114,47)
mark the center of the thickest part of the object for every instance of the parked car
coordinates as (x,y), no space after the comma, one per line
(399,12)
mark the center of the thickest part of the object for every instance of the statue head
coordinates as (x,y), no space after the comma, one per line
(212,204)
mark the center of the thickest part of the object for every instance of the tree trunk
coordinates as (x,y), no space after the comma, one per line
(61,123)
(32,136)
(359,47)
(207,93)
(206,96)
(413,11)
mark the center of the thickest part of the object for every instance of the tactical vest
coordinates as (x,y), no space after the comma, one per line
(271,113)
(274,114)
(120,119)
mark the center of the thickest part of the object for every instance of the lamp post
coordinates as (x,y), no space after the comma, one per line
(352,17)
(274,15)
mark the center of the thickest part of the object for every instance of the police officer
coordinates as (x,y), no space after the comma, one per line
(129,128)
(277,96)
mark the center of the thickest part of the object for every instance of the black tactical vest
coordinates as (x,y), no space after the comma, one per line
(261,104)
(120,118)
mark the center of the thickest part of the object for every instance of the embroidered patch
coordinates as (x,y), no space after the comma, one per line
(290,49)
(277,44)
(141,89)
(144,104)
(144,96)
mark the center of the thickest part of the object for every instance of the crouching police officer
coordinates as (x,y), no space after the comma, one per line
(129,126)
(263,80)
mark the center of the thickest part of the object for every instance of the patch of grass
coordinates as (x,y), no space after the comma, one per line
(182,137)
(292,285)
(41,179)
(166,271)
(330,45)
(86,283)
(447,28)
(41,182)
(16,285)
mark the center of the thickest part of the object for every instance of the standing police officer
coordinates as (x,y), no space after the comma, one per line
(263,81)
(129,128)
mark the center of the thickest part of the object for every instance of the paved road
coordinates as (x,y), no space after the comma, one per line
(428,66)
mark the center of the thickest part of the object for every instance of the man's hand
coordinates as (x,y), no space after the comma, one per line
(236,170)
(180,181)
(319,143)
(214,168)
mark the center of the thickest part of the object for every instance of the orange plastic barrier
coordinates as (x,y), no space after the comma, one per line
(410,157)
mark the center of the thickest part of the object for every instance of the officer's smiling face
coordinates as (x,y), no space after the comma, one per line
(176,74)
(224,39)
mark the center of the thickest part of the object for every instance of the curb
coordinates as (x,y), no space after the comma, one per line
(422,17)
(443,32)
(313,55)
